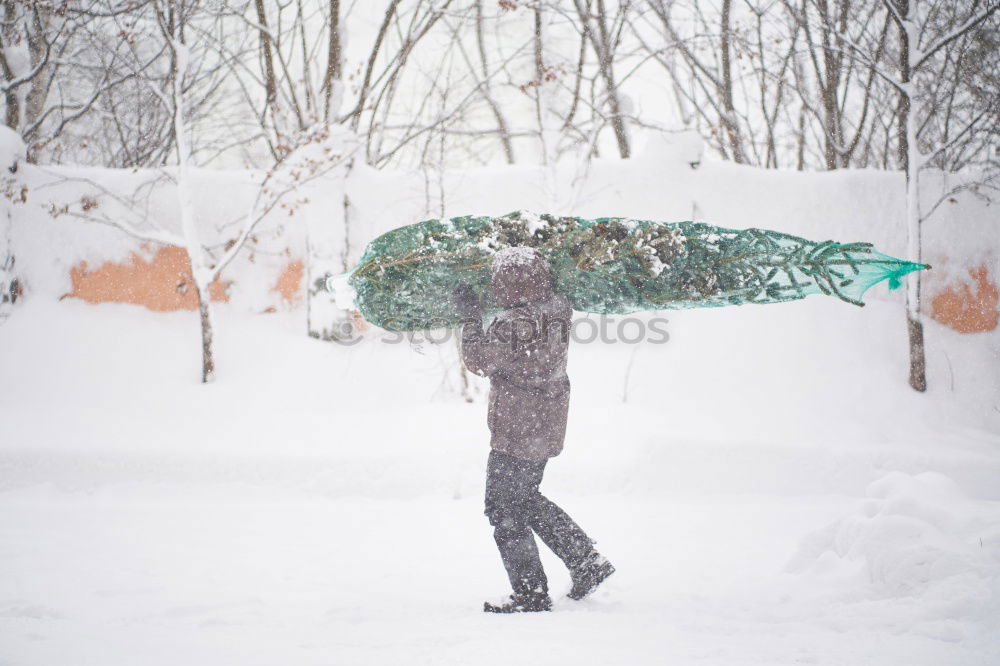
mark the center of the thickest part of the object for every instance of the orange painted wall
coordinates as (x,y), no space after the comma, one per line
(163,284)
(289,285)
(967,310)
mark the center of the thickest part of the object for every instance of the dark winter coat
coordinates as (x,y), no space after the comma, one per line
(524,355)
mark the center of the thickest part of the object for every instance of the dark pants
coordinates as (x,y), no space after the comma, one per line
(516,509)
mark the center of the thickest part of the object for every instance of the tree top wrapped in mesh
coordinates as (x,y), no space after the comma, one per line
(609,265)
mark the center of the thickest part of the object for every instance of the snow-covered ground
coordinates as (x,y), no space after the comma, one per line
(769,489)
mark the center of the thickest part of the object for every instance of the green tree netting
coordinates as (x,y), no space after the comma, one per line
(406,277)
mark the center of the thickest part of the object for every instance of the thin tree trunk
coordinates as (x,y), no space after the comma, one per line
(333,62)
(34,100)
(800,139)
(909,156)
(915,327)
(463,377)
(327,249)
(200,273)
(207,353)
(548,135)
(270,85)
(729,122)
(828,85)
(8,34)
(504,131)
(606,63)
(345,249)
(600,41)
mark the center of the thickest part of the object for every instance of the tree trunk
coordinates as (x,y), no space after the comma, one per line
(333,76)
(918,369)
(508,147)
(918,362)
(327,237)
(543,105)
(828,85)
(909,156)
(200,273)
(34,100)
(8,36)
(9,288)
(606,63)
(207,353)
(800,141)
(270,84)
(729,122)
(463,375)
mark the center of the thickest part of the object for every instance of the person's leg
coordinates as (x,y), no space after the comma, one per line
(560,533)
(511,495)
(587,568)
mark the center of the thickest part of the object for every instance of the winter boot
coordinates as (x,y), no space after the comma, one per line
(529,602)
(588,575)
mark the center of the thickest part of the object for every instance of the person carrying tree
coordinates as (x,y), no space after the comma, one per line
(523,353)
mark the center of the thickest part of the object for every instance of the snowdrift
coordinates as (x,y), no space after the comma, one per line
(913,532)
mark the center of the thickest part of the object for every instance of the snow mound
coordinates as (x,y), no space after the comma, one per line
(911,533)
(686,147)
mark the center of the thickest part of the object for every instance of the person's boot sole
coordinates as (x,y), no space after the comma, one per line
(510,609)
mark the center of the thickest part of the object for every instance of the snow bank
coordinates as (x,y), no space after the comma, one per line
(847,205)
(911,534)
(685,148)
(916,540)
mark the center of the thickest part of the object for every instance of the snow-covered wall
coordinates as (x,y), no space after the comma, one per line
(666,181)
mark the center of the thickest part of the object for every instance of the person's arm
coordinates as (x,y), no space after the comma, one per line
(482,353)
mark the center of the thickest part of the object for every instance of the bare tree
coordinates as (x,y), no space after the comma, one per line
(487,89)
(927,35)
(849,92)
(304,76)
(605,37)
(711,84)
(57,62)
(173,24)
(483,70)
(129,211)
